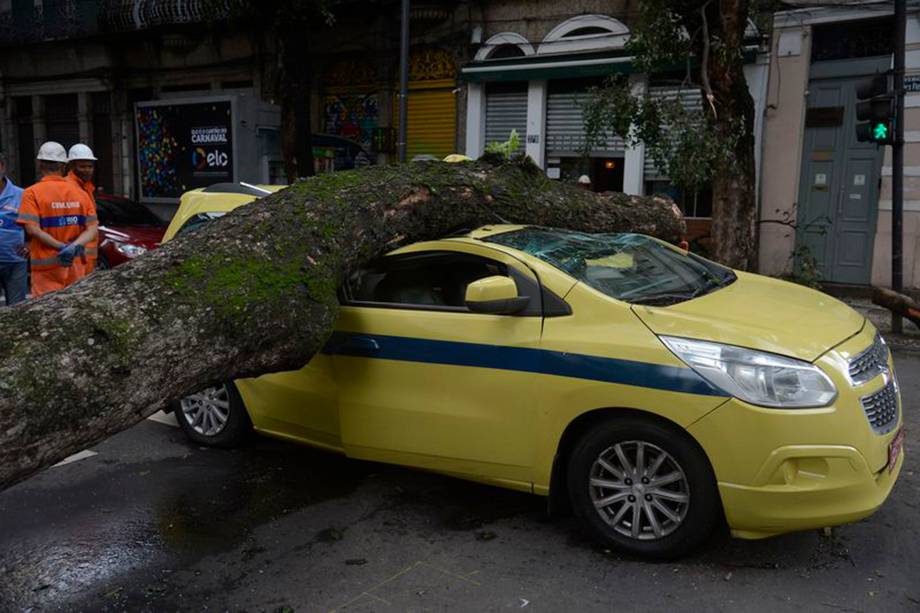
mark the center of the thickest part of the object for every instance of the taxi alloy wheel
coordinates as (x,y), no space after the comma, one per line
(643,486)
(215,416)
(639,490)
(207,411)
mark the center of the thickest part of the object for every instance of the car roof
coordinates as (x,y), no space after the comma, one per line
(217,198)
(491,230)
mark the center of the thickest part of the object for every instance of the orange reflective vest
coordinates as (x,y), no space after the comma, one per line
(63,211)
(92,247)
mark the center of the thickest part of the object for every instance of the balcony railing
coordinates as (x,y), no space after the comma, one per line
(49,20)
(65,19)
(123,15)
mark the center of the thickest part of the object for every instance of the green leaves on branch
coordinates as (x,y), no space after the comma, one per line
(686,143)
(659,40)
(507,148)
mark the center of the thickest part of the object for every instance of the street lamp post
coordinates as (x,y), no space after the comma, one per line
(897,160)
(401,137)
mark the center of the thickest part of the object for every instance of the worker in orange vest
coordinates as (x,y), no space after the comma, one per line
(59,219)
(82,164)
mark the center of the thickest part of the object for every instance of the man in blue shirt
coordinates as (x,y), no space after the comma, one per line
(14,269)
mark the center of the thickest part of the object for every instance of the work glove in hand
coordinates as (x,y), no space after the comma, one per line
(68,252)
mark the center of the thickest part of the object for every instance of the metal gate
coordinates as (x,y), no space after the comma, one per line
(506,110)
(691,98)
(565,126)
(432,128)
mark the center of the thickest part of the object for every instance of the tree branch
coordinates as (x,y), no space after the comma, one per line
(704,61)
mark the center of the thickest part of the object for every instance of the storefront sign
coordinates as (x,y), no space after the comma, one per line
(183,145)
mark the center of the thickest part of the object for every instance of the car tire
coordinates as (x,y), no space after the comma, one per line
(102,263)
(673,494)
(215,416)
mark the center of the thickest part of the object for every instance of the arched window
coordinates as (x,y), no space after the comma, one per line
(504,52)
(503,46)
(584,33)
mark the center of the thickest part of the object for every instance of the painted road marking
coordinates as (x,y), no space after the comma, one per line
(165,418)
(81,455)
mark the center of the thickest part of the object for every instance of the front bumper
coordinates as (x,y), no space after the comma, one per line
(786,470)
(822,486)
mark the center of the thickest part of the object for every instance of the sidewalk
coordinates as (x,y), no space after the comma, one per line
(909,340)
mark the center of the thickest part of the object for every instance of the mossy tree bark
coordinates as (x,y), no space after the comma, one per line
(251,293)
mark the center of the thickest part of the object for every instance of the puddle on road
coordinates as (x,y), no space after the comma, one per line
(63,539)
(205,516)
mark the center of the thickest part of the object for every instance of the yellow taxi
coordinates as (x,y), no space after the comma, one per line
(654,392)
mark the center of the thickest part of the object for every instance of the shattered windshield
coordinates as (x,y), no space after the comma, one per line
(629,267)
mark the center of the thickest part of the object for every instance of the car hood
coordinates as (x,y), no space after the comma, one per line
(759,313)
(148,236)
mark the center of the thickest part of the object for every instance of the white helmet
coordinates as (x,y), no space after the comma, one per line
(80,152)
(52,152)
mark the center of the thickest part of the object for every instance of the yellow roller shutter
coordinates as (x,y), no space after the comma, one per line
(432,122)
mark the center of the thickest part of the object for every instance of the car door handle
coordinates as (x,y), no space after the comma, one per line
(359,344)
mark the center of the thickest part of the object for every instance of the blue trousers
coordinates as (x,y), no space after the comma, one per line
(14,281)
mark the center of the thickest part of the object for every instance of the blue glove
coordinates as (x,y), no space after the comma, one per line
(68,252)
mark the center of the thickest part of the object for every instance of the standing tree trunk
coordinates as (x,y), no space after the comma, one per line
(734,194)
(250,293)
(295,87)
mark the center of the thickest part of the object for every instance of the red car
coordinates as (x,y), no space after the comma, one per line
(126,230)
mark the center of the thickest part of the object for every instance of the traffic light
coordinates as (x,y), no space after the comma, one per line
(875,111)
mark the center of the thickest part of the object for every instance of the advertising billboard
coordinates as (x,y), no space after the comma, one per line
(182,145)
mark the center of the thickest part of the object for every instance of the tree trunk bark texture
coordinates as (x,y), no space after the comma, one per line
(902,305)
(734,195)
(252,292)
(295,86)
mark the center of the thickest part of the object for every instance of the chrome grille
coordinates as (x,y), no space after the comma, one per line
(882,408)
(870,363)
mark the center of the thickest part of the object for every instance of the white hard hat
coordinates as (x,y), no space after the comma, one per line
(52,152)
(80,152)
(584,180)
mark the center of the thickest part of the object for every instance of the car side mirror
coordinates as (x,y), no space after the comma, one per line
(497,295)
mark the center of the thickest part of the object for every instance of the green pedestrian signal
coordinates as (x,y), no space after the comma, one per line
(880,132)
(875,110)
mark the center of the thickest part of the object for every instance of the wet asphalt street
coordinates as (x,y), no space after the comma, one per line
(154,523)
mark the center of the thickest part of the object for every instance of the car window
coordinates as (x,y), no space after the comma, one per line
(429,280)
(196,221)
(630,267)
(125,213)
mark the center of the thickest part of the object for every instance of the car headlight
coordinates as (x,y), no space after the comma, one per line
(757,377)
(130,251)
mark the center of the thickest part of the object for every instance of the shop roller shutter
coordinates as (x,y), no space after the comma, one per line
(691,99)
(506,111)
(565,127)
(432,123)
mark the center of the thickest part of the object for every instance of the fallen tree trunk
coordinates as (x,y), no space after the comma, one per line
(251,293)
(897,303)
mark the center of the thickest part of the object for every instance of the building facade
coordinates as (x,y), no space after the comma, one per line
(826,198)
(84,71)
(113,72)
(532,72)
